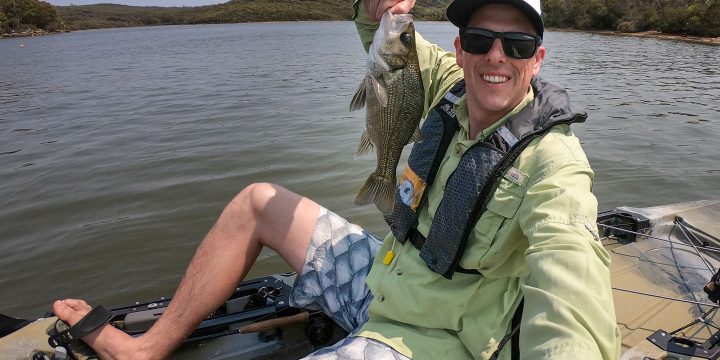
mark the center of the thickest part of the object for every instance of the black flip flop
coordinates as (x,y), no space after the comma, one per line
(96,318)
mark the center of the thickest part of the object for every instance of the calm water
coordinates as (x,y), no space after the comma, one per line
(119,148)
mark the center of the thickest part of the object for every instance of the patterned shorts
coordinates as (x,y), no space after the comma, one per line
(337,262)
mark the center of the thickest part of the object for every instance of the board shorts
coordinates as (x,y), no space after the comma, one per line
(332,280)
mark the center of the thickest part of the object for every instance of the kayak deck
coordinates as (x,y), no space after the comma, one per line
(658,280)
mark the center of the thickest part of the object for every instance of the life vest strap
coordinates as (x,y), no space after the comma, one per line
(513,335)
(418,241)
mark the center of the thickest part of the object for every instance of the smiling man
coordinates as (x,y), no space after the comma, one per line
(497,258)
(503,247)
(496,82)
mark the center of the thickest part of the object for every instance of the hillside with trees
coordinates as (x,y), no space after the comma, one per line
(689,17)
(235,11)
(24,14)
(685,17)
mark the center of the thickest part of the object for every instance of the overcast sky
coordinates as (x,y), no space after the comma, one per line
(139,2)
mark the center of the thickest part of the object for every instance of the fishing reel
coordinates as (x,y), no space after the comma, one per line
(319,329)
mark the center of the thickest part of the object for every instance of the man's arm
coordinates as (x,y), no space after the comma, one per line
(569,311)
(438,68)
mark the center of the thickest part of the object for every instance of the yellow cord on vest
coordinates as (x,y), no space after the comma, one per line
(390,255)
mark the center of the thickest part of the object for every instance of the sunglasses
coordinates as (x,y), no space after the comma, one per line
(517,45)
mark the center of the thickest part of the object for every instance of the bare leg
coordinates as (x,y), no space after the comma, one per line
(261,215)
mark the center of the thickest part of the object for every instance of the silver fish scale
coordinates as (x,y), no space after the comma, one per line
(391,128)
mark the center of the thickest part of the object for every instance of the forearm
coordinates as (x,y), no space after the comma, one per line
(568,300)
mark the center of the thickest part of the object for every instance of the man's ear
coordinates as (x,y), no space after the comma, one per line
(458,52)
(539,56)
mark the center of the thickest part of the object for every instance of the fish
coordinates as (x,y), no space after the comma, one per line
(392,93)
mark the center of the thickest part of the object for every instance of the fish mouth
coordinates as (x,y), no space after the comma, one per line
(399,18)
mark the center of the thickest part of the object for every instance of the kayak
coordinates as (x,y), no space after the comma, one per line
(665,281)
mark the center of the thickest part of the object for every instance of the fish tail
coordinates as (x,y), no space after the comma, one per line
(378,190)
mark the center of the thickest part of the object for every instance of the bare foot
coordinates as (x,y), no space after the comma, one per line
(109,342)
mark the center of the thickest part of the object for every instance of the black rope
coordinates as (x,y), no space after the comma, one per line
(702,319)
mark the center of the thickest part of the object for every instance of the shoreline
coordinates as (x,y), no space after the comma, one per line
(712,41)
(30,33)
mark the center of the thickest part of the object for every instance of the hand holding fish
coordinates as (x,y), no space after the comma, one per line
(376,8)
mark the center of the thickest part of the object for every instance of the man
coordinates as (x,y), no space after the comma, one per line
(526,270)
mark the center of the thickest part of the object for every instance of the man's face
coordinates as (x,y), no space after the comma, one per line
(495,82)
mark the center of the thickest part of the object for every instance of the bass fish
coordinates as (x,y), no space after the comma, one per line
(392,92)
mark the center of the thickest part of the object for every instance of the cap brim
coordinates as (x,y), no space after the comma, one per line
(460,11)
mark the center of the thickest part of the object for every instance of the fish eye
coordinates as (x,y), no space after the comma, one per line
(405,38)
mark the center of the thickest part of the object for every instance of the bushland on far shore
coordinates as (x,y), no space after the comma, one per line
(681,17)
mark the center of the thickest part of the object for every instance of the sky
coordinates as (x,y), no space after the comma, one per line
(139,2)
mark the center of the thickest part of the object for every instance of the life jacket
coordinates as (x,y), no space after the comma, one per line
(471,185)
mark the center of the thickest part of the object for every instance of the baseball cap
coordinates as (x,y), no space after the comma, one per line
(460,11)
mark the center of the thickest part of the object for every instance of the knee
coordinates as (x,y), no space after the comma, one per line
(254,198)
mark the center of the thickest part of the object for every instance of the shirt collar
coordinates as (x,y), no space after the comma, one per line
(461,112)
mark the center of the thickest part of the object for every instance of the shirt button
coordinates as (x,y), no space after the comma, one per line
(458,150)
(380,298)
(399,272)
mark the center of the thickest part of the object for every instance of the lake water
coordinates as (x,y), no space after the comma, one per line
(119,148)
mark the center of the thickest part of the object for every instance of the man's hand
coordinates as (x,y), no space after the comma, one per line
(376,8)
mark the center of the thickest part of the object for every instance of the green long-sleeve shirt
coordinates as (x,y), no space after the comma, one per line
(537,240)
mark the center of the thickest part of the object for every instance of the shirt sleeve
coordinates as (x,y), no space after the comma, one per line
(438,67)
(568,311)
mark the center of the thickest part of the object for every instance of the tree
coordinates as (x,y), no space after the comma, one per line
(27,12)
(41,15)
(3,20)
(710,18)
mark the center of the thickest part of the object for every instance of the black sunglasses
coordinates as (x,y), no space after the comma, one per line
(517,45)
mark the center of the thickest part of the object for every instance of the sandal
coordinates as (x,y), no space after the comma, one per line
(68,337)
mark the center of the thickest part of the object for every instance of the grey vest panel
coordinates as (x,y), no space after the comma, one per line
(465,184)
(436,133)
(472,183)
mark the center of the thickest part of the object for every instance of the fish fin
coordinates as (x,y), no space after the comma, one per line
(379,87)
(358,100)
(378,190)
(385,199)
(416,137)
(366,146)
